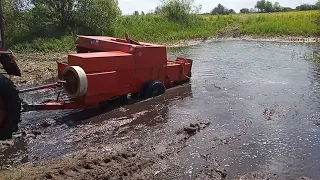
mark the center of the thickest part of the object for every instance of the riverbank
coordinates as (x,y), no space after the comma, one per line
(157,29)
(280,39)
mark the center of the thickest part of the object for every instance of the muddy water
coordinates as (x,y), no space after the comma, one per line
(265,93)
(262,100)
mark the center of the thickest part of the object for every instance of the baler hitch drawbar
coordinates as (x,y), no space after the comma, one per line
(57,84)
(51,104)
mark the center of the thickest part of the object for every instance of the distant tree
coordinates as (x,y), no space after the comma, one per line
(142,13)
(268,6)
(286,9)
(277,7)
(197,9)
(136,13)
(318,5)
(220,9)
(244,10)
(150,12)
(157,10)
(97,17)
(306,7)
(231,11)
(253,10)
(260,5)
(47,10)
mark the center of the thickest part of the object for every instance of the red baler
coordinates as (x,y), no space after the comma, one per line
(105,68)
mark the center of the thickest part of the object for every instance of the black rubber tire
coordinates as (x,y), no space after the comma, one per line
(12,103)
(153,89)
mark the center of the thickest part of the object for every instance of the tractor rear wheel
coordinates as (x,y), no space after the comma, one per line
(153,89)
(10,107)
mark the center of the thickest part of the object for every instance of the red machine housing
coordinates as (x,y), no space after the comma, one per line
(112,67)
(115,67)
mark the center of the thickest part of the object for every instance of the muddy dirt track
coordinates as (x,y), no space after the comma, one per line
(250,112)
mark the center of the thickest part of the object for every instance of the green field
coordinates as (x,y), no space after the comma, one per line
(156,29)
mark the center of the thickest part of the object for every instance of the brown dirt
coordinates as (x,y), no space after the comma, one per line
(260,176)
(37,67)
(131,159)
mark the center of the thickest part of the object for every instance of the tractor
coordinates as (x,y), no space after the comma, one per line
(10,104)
(102,69)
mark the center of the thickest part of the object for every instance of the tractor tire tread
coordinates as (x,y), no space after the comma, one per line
(13,102)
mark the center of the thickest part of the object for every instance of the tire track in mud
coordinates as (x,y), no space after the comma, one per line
(150,158)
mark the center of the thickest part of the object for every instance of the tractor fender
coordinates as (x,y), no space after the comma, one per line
(76,85)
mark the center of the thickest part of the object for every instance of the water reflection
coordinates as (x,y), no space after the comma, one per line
(254,76)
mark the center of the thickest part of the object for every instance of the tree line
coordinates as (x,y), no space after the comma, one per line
(29,19)
(260,7)
(267,6)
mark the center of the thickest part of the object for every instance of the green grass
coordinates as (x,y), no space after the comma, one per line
(159,30)
(63,44)
(156,29)
(301,23)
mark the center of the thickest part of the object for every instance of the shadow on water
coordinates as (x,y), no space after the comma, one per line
(72,131)
(136,105)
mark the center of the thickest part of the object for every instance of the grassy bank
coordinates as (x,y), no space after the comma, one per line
(301,23)
(156,29)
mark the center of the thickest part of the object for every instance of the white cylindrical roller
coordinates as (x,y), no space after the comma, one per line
(76,81)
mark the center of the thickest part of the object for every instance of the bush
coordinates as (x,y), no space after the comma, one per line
(177,10)
(97,17)
(16,22)
(244,10)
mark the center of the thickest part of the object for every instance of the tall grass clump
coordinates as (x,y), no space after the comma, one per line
(317,20)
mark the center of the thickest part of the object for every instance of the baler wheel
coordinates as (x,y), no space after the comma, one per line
(10,108)
(76,81)
(153,89)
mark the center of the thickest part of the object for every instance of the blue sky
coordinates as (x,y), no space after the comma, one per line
(129,6)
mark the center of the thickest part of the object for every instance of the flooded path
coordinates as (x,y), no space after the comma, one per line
(260,99)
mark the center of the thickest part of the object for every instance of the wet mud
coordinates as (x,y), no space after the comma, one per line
(251,111)
(130,159)
(37,68)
